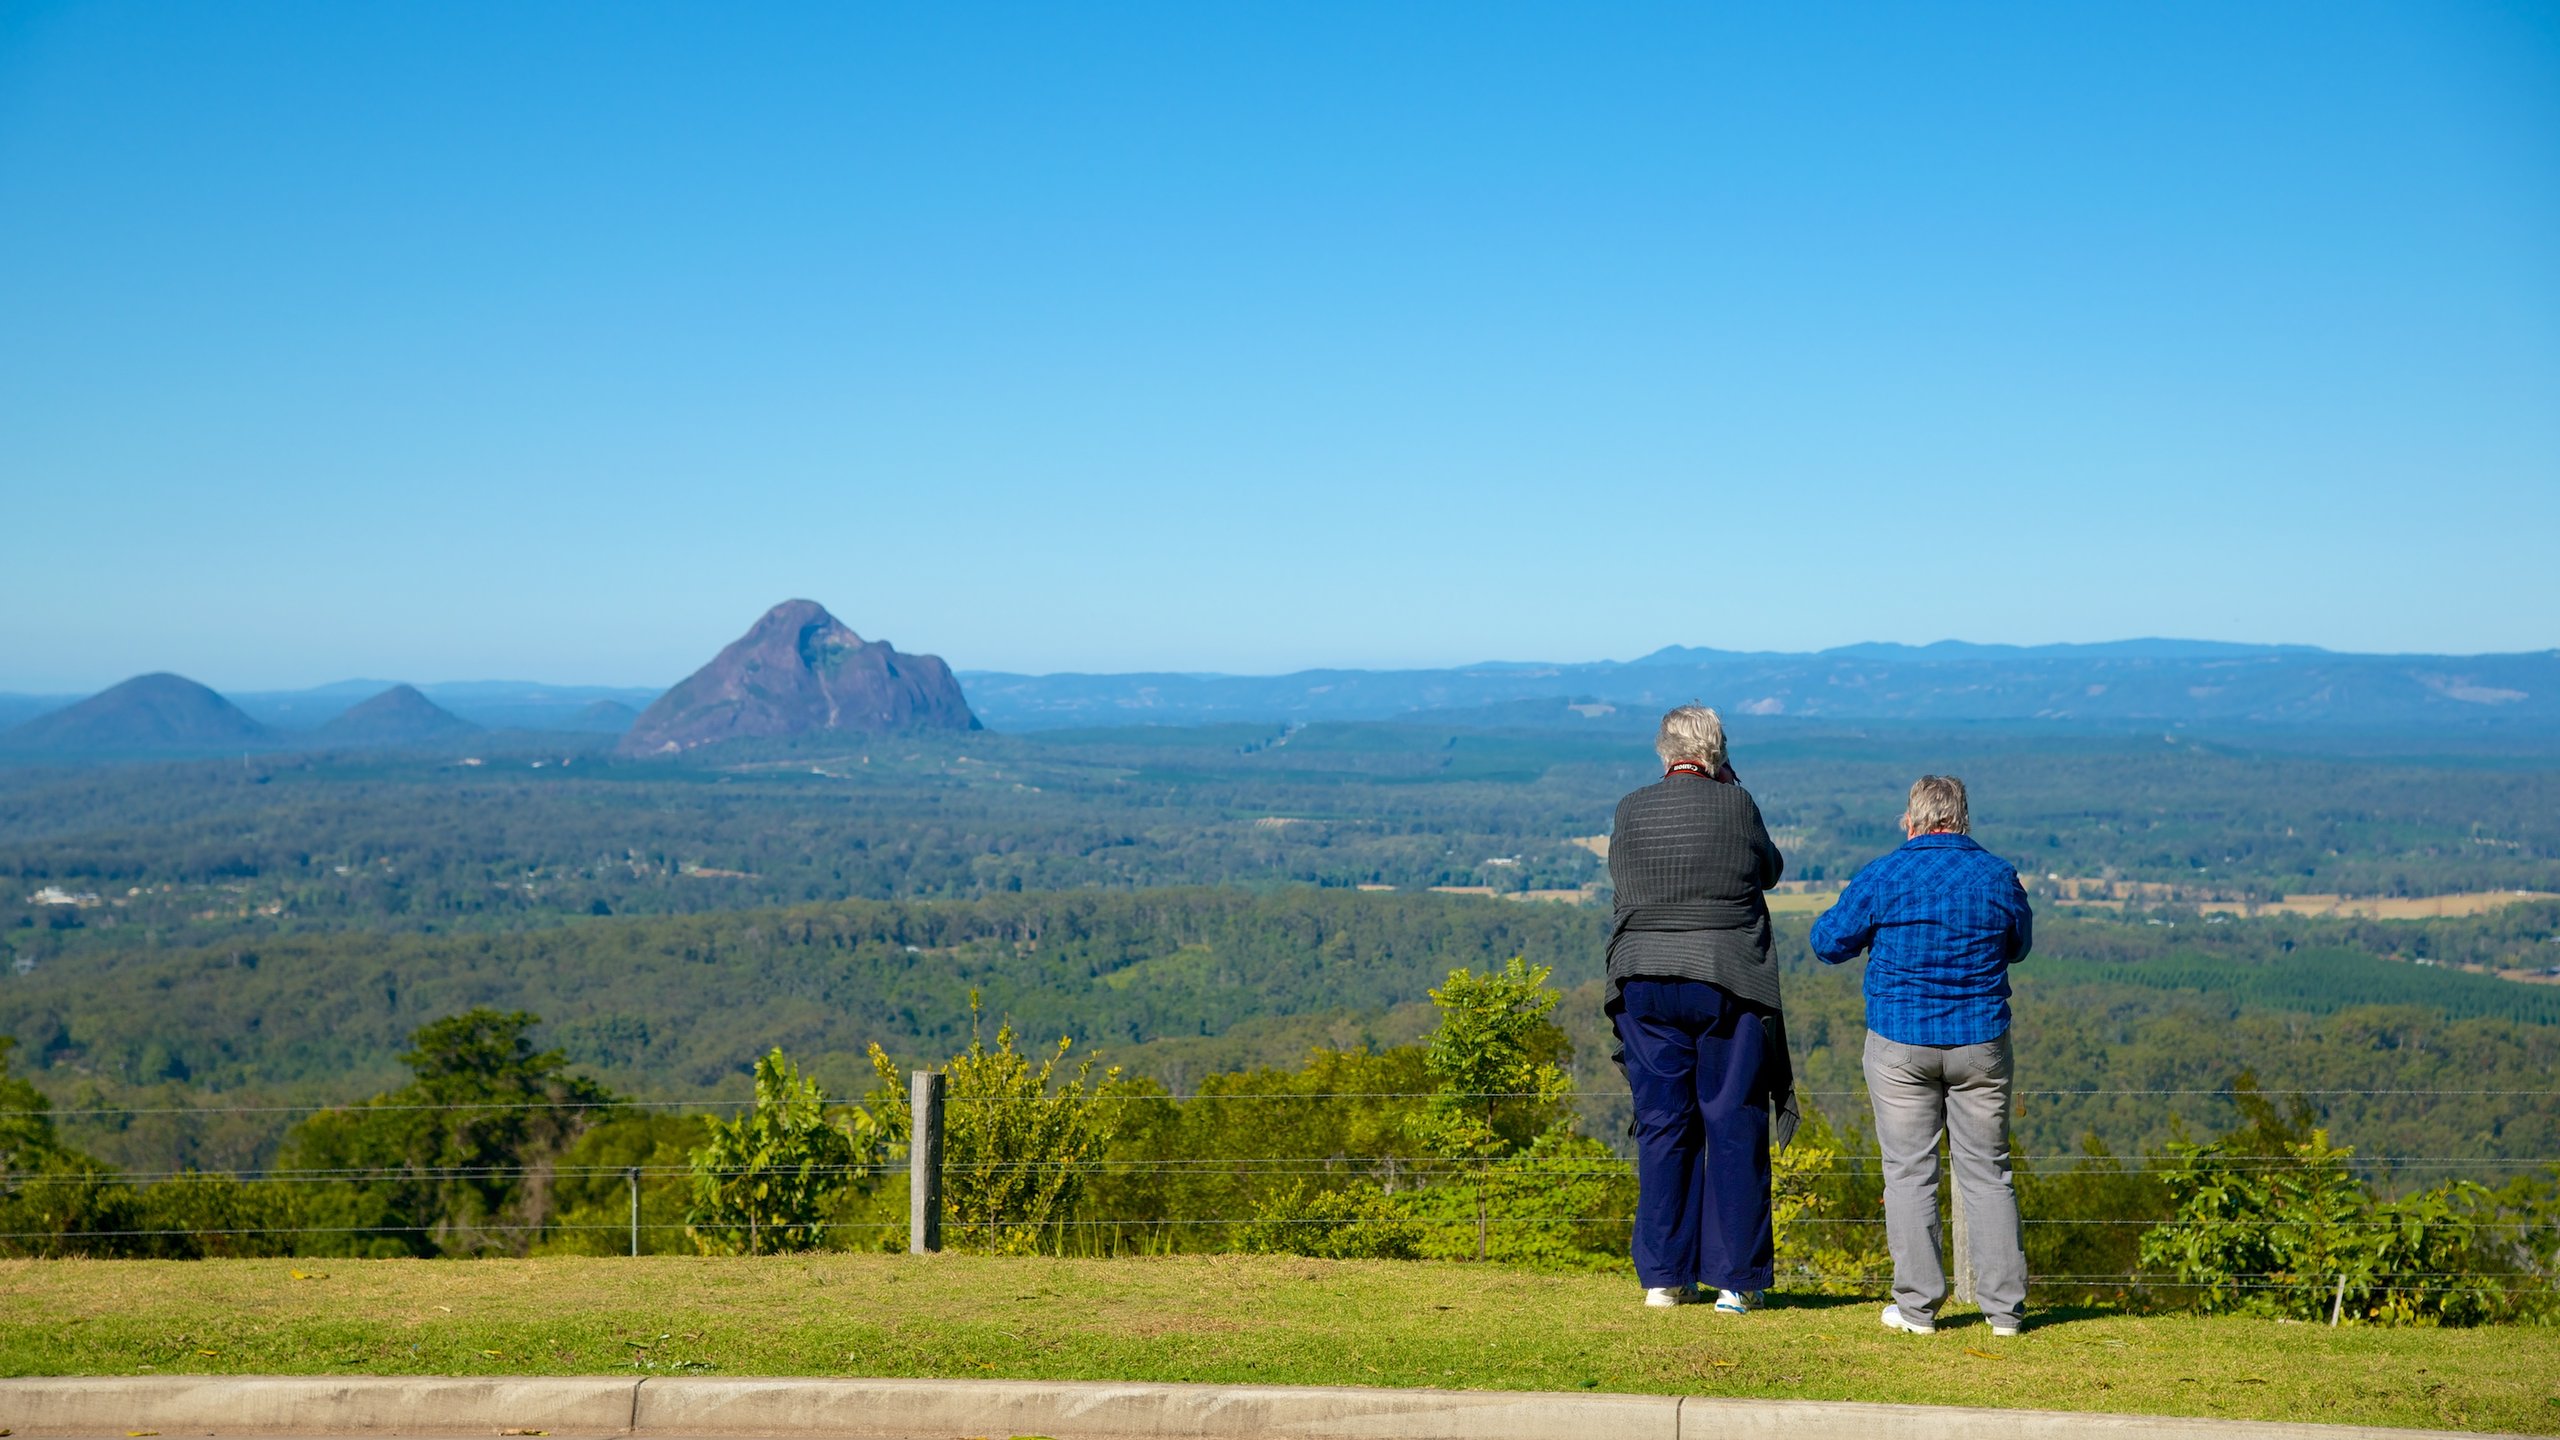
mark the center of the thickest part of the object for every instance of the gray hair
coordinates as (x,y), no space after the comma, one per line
(1938,804)
(1692,732)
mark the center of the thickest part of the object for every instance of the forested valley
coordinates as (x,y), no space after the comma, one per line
(1182,983)
(261,845)
(214,967)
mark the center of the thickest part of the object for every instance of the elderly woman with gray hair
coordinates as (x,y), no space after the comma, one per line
(1941,921)
(1693,994)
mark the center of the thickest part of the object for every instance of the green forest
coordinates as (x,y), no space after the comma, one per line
(263,845)
(1177,984)
(283,965)
(1465,1145)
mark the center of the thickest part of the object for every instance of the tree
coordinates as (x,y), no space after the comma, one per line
(767,1180)
(1340,1120)
(591,1196)
(27,1143)
(1497,1064)
(456,1162)
(53,1199)
(1497,1061)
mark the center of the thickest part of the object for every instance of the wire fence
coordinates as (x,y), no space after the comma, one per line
(1134,1202)
(1405,1164)
(715,1103)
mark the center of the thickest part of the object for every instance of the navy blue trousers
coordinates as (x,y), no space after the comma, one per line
(1702,1134)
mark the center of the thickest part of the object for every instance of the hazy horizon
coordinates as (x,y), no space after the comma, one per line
(965,670)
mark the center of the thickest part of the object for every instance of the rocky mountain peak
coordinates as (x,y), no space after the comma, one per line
(798,671)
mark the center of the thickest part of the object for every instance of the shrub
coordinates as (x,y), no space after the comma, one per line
(1500,1091)
(2293,1233)
(767,1179)
(1819,1245)
(1358,1222)
(1565,1202)
(1019,1142)
(198,1217)
(73,1206)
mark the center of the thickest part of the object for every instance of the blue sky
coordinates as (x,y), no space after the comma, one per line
(453,341)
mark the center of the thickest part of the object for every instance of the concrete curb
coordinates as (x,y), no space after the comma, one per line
(293,1404)
(1066,1410)
(1106,1411)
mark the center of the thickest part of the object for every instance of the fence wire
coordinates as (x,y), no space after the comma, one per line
(2527,1240)
(361,1107)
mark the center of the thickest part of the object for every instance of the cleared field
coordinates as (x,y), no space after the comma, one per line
(1228,1319)
(2383,907)
(2116,894)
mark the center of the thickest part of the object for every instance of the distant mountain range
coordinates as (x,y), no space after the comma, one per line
(801,670)
(797,671)
(490,704)
(2146,681)
(172,715)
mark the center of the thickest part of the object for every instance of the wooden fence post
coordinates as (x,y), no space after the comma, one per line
(924,1163)
(634,1177)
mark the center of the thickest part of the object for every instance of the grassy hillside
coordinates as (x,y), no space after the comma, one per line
(1228,1319)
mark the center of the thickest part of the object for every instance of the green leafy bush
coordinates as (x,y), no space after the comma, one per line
(2270,1220)
(1495,1171)
(1564,1202)
(199,1217)
(768,1179)
(1231,1150)
(1816,1204)
(1020,1140)
(1500,1089)
(1358,1221)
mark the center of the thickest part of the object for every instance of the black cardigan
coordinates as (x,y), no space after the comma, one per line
(1689,858)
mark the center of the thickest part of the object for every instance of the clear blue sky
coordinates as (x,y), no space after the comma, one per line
(450,341)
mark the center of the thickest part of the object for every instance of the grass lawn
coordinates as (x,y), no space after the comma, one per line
(1272,1320)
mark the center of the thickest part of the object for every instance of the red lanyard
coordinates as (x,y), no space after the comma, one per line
(1688,767)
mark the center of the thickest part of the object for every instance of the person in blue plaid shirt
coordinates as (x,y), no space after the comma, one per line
(1941,921)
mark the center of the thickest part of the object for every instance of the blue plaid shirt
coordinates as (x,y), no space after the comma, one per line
(1942,920)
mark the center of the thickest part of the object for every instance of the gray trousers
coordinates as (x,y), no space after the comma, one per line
(1921,1091)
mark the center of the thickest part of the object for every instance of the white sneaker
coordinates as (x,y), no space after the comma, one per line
(1664,1297)
(1737,1302)
(1894,1320)
(2004,1332)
